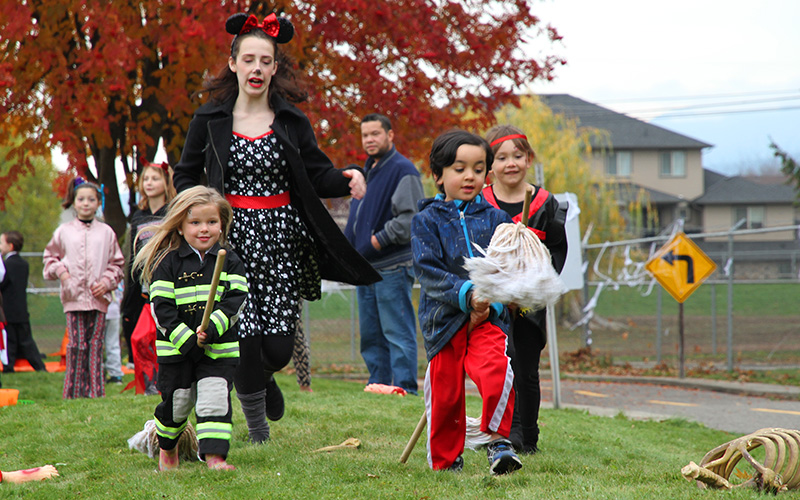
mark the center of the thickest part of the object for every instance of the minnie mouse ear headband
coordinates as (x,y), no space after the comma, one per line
(279,28)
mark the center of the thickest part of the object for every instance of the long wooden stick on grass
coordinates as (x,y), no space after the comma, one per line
(414,438)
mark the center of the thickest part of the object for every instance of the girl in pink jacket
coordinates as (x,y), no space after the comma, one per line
(85,256)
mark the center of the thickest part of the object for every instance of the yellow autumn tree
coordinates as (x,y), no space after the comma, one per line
(563,148)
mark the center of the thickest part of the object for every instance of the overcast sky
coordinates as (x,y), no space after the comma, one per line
(718,56)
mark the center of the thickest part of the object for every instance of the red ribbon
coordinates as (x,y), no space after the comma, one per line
(163,165)
(270,25)
(507,138)
(259,202)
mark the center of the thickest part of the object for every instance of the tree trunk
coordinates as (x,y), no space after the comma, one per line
(105,160)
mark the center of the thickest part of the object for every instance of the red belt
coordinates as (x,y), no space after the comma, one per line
(274,201)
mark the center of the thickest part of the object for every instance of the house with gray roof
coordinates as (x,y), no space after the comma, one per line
(760,203)
(655,169)
(654,165)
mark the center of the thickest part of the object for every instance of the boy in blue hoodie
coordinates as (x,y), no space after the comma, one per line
(463,333)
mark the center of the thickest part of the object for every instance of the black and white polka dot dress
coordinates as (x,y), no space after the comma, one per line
(273,242)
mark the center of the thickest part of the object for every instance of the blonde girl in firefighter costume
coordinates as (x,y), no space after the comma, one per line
(195,368)
(513,156)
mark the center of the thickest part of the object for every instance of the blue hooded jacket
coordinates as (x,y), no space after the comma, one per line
(442,236)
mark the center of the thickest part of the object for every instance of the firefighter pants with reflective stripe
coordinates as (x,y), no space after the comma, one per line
(204,386)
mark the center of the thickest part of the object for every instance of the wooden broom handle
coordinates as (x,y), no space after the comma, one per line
(414,437)
(212,294)
(526,207)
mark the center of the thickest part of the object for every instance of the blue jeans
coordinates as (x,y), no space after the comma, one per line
(388,327)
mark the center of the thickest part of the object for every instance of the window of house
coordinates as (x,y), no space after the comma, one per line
(754,216)
(618,164)
(673,164)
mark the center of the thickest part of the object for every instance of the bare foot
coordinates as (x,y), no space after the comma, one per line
(168,459)
(306,388)
(218,462)
(35,474)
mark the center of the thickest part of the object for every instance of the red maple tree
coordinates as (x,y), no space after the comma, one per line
(106,80)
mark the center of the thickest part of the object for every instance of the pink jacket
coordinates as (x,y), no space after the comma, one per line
(90,253)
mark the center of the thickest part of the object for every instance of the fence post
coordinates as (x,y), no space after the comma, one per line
(713,319)
(587,333)
(552,342)
(658,324)
(353,323)
(730,291)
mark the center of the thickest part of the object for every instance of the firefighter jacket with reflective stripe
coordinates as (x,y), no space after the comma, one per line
(178,294)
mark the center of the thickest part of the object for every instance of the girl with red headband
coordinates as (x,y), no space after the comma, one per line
(155,192)
(513,156)
(259,150)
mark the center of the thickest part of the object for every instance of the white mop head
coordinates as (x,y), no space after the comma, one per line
(516,268)
(475,438)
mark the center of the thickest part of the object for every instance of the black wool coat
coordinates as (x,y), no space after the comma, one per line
(14,301)
(312,176)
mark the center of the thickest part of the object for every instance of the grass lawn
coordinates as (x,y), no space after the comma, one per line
(763,328)
(582,456)
(751,300)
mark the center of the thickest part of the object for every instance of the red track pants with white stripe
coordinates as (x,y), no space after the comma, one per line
(480,354)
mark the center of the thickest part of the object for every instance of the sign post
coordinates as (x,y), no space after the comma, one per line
(680,267)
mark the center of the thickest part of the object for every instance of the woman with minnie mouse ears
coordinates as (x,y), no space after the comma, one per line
(259,150)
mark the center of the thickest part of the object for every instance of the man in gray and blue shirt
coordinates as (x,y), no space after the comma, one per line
(379,227)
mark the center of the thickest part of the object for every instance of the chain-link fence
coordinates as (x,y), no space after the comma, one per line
(730,318)
(744,316)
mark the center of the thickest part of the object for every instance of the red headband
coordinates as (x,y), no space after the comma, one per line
(507,138)
(163,165)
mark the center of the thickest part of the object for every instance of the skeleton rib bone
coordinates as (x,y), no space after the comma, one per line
(779,472)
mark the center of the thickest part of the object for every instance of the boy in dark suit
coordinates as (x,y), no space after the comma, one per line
(15,301)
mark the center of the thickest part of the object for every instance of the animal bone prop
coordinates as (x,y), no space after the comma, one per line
(516,268)
(349,443)
(779,472)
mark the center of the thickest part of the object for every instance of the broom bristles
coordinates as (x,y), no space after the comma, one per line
(516,268)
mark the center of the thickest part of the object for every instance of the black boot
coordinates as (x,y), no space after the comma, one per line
(530,440)
(274,401)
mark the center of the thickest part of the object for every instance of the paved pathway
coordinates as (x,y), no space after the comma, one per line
(729,406)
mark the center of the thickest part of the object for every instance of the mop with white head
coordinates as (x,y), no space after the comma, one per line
(515,269)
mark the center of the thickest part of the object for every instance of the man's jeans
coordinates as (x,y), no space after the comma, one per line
(388,326)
